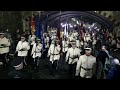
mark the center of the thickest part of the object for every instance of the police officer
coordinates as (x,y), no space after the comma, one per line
(4,49)
(86,65)
(18,72)
(72,57)
(22,48)
(54,54)
(36,54)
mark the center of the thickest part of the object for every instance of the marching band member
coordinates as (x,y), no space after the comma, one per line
(36,53)
(4,49)
(54,54)
(22,48)
(72,57)
(86,65)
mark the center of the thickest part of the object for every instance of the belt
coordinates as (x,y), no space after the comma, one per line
(65,47)
(4,47)
(72,57)
(38,52)
(22,50)
(54,54)
(87,69)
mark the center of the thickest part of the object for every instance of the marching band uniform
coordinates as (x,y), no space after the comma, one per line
(86,66)
(54,54)
(36,53)
(4,49)
(22,49)
(72,57)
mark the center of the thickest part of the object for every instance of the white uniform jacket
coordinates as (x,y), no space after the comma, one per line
(6,42)
(86,66)
(71,53)
(22,45)
(54,52)
(36,50)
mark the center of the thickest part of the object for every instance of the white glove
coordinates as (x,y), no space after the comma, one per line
(77,73)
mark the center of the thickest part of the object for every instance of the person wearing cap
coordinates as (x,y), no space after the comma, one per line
(36,53)
(72,57)
(86,64)
(54,55)
(22,48)
(4,49)
(114,71)
(18,72)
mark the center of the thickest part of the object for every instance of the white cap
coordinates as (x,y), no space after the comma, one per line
(116,62)
(88,49)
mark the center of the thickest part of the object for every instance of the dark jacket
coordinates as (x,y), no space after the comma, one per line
(116,54)
(102,57)
(114,73)
(98,45)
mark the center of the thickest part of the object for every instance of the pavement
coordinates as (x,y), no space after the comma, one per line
(43,72)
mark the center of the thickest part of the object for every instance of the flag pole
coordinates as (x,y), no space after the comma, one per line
(60,39)
(59,24)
